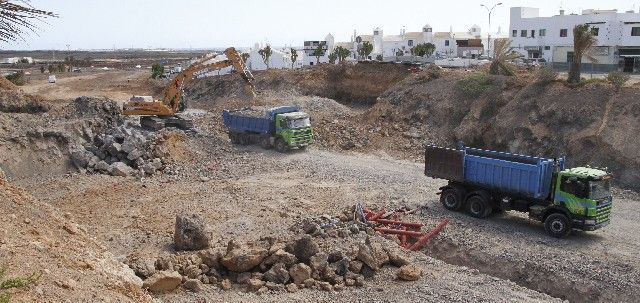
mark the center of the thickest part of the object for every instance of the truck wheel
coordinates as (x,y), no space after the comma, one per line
(557,225)
(265,143)
(234,138)
(451,199)
(244,139)
(478,206)
(281,146)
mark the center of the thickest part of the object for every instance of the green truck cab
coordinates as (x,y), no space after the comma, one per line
(293,130)
(585,194)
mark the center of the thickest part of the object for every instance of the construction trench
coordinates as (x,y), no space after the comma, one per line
(263,204)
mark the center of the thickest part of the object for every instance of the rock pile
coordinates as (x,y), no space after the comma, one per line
(122,151)
(329,261)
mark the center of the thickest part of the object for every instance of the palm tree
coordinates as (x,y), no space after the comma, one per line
(502,52)
(18,19)
(583,42)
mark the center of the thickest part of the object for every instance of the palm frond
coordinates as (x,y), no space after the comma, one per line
(18,18)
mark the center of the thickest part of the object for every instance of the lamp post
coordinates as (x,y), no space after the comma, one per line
(489,10)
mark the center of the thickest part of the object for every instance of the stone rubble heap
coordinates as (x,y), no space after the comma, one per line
(122,151)
(328,261)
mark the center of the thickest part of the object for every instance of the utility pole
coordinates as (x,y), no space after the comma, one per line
(489,10)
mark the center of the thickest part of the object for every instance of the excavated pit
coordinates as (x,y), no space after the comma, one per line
(528,274)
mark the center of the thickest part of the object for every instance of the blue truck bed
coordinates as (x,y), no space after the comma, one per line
(522,175)
(255,120)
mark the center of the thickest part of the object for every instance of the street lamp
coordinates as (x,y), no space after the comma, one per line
(489,10)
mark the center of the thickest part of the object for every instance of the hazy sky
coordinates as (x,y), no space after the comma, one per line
(92,24)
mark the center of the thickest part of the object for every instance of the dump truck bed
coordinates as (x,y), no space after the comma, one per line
(522,175)
(254,119)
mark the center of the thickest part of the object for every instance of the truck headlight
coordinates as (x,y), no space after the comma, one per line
(590,222)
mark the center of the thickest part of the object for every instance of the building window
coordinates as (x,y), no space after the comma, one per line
(375,33)
(595,31)
(515,33)
(410,43)
(533,33)
(547,47)
(563,32)
(523,33)
(446,42)
(635,31)
(543,32)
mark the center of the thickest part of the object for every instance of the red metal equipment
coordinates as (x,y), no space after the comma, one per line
(406,231)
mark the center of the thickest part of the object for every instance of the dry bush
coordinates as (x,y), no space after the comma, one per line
(546,75)
(618,79)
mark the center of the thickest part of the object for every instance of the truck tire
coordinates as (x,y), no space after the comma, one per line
(479,206)
(281,146)
(557,225)
(234,138)
(243,139)
(452,199)
(265,143)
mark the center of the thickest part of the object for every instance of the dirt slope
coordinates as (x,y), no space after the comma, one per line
(590,124)
(354,84)
(37,238)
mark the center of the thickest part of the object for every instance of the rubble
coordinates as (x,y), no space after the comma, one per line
(123,151)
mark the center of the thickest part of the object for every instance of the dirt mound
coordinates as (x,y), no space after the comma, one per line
(13,101)
(352,84)
(589,124)
(7,85)
(38,239)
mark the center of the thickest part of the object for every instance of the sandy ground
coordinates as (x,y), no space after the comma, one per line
(94,84)
(254,192)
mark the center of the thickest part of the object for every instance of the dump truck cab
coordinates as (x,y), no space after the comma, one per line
(586,194)
(295,129)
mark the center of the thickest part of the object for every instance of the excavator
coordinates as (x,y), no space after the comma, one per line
(162,113)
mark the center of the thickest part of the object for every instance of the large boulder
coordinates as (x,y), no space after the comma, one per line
(163,281)
(190,233)
(241,258)
(372,254)
(304,248)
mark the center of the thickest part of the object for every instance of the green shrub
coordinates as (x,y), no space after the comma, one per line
(14,283)
(547,75)
(17,78)
(157,70)
(618,79)
(473,85)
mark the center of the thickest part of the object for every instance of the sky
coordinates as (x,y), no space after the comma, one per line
(93,24)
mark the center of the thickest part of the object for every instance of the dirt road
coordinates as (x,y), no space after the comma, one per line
(118,85)
(254,193)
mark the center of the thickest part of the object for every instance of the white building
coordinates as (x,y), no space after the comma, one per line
(551,38)
(280,58)
(448,44)
(327,45)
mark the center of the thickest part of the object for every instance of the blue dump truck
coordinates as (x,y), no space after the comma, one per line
(483,182)
(284,127)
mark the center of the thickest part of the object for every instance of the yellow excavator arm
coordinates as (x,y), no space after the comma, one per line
(172,102)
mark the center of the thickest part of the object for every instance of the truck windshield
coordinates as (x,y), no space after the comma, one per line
(299,123)
(599,189)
